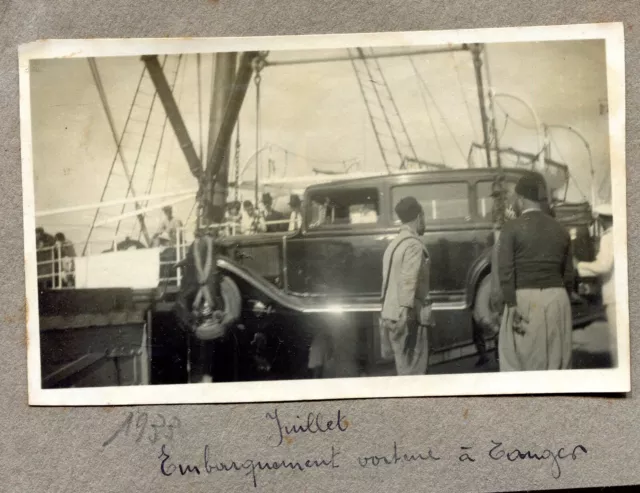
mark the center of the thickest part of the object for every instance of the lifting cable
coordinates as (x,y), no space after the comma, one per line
(199,78)
(258,66)
(236,161)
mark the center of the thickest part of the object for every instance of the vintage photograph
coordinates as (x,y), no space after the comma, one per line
(318,217)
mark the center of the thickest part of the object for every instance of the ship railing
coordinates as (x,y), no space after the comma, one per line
(235,228)
(50,266)
(57,271)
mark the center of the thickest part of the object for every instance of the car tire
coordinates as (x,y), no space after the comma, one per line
(483,313)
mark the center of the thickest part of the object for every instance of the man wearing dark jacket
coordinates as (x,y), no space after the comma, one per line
(535,271)
(272,215)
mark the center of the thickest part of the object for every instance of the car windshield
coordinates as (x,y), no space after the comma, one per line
(343,207)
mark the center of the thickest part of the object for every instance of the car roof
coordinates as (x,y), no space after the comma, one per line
(439,175)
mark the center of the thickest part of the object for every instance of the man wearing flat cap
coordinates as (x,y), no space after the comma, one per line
(535,269)
(406,307)
(603,266)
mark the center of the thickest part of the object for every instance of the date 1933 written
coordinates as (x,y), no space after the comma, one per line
(141,424)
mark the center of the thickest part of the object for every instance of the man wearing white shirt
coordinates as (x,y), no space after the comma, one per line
(295,220)
(603,266)
(252,222)
(169,225)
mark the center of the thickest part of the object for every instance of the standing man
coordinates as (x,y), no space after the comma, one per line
(535,271)
(270,214)
(169,225)
(45,255)
(233,218)
(406,306)
(67,253)
(44,239)
(295,219)
(603,266)
(252,221)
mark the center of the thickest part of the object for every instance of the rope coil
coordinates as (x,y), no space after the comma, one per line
(203,273)
(211,318)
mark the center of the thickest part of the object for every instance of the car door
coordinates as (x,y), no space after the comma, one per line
(339,254)
(451,239)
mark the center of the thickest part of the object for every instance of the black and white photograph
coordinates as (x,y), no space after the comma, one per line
(325,217)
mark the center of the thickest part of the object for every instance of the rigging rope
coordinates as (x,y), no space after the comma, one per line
(514,120)
(103,98)
(435,104)
(606,184)
(573,178)
(287,153)
(195,202)
(464,96)
(426,105)
(310,159)
(517,122)
(162,135)
(137,160)
(504,129)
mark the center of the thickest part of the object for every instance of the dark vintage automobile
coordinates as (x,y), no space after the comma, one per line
(326,277)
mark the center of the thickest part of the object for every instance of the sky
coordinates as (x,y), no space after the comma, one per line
(314,111)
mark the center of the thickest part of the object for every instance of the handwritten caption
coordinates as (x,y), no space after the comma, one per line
(154,427)
(282,433)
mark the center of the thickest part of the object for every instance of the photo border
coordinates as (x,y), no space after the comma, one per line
(614,380)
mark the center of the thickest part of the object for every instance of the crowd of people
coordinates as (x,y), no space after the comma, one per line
(55,253)
(55,256)
(247,219)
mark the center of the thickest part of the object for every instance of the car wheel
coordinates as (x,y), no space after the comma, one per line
(483,312)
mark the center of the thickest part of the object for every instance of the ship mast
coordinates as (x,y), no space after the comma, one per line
(476,50)
(490,133)
(224,71)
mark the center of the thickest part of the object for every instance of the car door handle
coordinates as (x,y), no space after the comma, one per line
(242,256)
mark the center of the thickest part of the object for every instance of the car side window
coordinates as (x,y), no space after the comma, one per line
(441,201)
(336,208)
(485,199)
